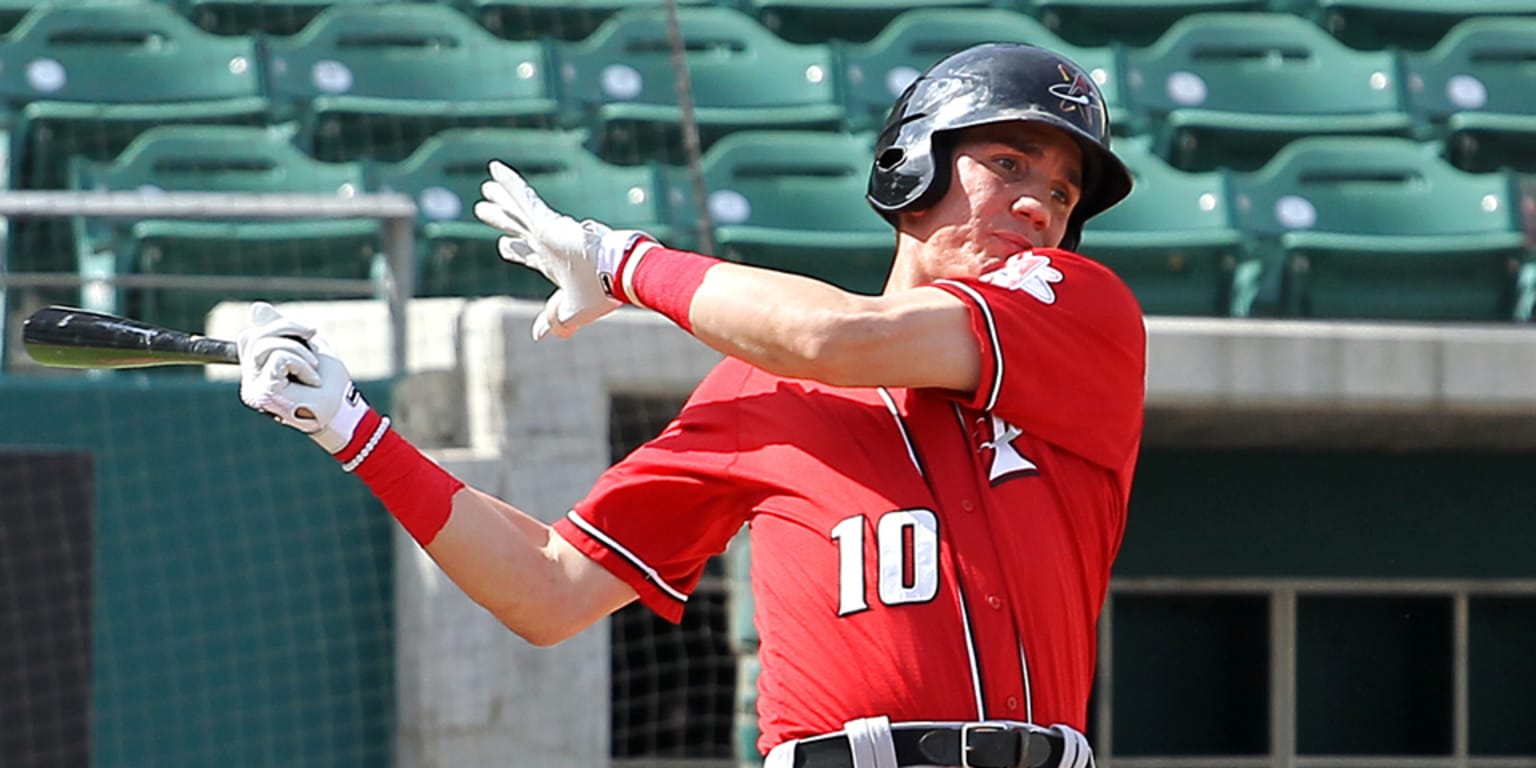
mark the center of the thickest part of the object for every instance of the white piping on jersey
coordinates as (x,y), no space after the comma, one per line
(997,349)
(1029,696)
(640,565)
(970,654)
(901,426)
(965,616)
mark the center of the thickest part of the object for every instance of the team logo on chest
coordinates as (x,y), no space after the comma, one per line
(1029,273)
(996,446)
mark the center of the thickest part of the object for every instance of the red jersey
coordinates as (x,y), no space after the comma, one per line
(916,553)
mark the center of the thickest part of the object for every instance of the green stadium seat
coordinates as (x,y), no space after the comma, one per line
(621,82)
(794,201)
(257,17)
(12,12)
(1476,91)
(374,82)
(1383,228)
(875,73)
(89,77)
(1128,22)
(1173,240)
(85,78)
(1406,24)
(568,20)
(1229,89)
(222,159)
(457,253)
(820,21)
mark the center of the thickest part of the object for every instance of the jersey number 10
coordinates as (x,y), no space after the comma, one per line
(907,559)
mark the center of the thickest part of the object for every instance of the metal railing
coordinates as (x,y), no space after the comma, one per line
(396,214)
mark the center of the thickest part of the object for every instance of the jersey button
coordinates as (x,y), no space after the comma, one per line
(967,505)
(995,601)
(1013,704)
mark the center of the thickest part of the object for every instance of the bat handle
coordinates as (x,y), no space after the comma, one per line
(216,350)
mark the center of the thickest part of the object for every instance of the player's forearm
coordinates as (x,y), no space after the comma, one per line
(533,581)
(799,327)
(788,326)
(517,568)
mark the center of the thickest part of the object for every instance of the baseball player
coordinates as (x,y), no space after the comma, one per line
(935,478)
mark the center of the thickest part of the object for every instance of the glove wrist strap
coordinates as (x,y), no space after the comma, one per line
(338,433)
(366,432)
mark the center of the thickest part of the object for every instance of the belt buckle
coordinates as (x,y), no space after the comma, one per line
(966,729)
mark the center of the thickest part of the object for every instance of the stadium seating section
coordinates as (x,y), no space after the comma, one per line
(621,82)
(794,201)
(1475,90)
(223,159)
(457,254)
(1362,227)
(1174,239)
(375,81)
(1293,158)
(1229,89)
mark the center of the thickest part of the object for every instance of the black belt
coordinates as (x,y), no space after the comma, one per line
(979,745)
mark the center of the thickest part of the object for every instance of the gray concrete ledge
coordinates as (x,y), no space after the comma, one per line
(1340,384)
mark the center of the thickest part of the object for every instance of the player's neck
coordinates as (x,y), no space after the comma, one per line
(907,265)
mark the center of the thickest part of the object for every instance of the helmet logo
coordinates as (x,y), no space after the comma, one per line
(1078,94)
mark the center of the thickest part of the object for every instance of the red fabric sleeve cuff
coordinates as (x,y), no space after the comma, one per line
(664,280)
(985,333)
(414,489)
(662,601)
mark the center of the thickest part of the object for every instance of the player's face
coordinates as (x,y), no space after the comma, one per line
(1012,188)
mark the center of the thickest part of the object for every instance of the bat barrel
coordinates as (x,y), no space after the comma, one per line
(66,337)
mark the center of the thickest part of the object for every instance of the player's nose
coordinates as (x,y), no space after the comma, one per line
(1032,210)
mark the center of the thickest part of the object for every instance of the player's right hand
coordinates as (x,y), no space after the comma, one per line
(291,374)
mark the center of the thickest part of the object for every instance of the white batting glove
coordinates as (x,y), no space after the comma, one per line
(581,258)
(292,375)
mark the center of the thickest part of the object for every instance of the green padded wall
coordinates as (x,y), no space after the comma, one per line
(241,590)
(1213,513)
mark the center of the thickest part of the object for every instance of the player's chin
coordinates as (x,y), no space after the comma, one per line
(993,259)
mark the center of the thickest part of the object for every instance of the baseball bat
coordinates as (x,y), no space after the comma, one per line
(70,337)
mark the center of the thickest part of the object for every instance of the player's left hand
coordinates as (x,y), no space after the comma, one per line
(580,257)
(291,374)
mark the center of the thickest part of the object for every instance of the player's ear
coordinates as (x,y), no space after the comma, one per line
(905,219)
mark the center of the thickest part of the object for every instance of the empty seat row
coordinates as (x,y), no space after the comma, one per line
(1331,227)
(365,81)
(1229,90)
(270,255)
(1412,24)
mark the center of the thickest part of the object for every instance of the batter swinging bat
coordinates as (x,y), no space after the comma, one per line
(69,337)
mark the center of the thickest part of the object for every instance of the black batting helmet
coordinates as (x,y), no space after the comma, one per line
(993,83)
